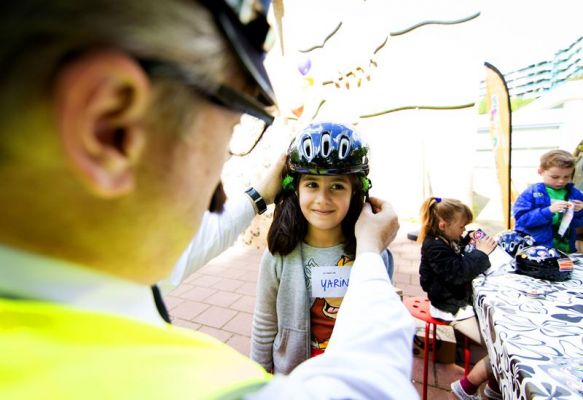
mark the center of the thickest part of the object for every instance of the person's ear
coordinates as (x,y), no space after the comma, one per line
(101,100)
(441,224)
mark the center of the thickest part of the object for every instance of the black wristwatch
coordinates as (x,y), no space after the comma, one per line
(260,205)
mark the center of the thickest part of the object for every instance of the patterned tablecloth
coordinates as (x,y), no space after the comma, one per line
(533,329)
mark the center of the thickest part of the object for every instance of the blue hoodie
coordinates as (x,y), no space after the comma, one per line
(533,215)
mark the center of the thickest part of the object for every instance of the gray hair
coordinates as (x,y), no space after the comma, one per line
(37,36)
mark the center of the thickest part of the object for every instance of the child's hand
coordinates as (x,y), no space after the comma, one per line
(559,206)
(578,204)
(487,244)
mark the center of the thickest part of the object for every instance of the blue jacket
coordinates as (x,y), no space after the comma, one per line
(533,215)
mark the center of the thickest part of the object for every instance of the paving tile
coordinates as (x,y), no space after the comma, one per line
(412,290)
(188,309)
(171,301)
(222,298)
(185,324)
(252,265)
(408,267)
(223,336)
(400,278)
(418,371)
(232,323)
(244,303)
(248,288)
(193,276)
(213,269)
(414,280)
(240,324)
(233,273)
(240,343)
(447,373)
(227,284)
(216,265)
(198,293)
(250,276)
(215,317)
(202,280)
(434,393)
(184,287)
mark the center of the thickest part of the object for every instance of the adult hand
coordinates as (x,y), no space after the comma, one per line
(271,184)
(486,244)
(559,206)
(376,226)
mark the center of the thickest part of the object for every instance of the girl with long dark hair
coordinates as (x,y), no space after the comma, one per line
(311,246)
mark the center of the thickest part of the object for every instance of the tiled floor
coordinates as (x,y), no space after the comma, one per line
(219,298)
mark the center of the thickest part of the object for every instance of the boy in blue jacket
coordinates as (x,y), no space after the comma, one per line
(541,208)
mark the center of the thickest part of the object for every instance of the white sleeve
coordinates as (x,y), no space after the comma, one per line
(216,233)
(370,352)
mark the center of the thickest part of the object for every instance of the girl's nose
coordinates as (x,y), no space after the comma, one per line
(322,195)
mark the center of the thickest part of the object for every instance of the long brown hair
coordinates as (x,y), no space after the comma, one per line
(435,209)
(289,226)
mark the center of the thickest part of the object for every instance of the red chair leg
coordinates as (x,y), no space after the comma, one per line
(466,356)
(434,348)
(425,359)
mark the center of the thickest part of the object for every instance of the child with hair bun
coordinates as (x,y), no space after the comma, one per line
(446,272)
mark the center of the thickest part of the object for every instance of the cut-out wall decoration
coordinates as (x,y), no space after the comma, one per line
(406,72)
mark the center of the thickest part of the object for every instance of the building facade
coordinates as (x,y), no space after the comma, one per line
(536,79)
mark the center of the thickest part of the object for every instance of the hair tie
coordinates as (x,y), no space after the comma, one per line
(438,199)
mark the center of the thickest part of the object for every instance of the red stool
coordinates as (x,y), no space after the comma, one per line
(419,308)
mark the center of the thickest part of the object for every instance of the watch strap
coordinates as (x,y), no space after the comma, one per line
(259,203)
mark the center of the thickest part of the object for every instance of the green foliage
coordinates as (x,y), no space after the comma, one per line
(515,104)
(482,107)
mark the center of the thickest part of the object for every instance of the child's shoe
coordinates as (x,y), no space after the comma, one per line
(491,393)
(459,392)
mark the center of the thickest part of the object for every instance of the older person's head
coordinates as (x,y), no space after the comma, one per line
(113,128)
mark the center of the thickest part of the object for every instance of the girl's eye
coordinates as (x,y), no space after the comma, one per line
(311,185)
(337,186)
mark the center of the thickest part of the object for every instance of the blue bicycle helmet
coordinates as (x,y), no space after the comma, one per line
(513,241)
(328,148)
(544,263)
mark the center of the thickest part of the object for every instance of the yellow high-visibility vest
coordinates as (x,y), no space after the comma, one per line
(50,351)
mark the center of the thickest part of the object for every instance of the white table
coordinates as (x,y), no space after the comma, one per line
(533,330)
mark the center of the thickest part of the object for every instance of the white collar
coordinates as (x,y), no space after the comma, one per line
(35,277)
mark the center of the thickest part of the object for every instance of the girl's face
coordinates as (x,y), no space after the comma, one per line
(324,201)
(454,229)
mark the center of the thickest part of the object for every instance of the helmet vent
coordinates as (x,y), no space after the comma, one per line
(326,148)
(343,148)
(307,147)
